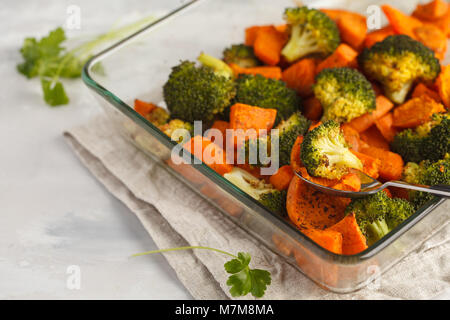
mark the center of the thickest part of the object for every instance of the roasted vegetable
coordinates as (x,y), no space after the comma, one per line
(266,93)
(430,141)
(273,199)
(416,111)
(427,173)
(344,94)
(220,68)
(309,208)
(300,76)
(378,214)
(296,125)
(397,63)
(241,55)
(311,32)
(282,178)
(172,126)
(197,93)
(158,116)
(268,45)
(324,152)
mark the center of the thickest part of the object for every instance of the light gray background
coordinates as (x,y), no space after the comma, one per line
(53,213)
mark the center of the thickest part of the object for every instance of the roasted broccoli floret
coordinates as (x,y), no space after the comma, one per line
(411,173)
(220,68)
(263,192)
(242,55)
(254,148)
(158,116)
(197,93)
(311,32)
(378,214)
(409,144)
(344,94)
(262,92)
(426,173)
(275,201)
(399,210)
(176,124)
(324,152)
(296,125)
(397,63)
(289,130)
(429,141)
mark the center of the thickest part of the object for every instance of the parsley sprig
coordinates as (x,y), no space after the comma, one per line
(243,280)
(49,60)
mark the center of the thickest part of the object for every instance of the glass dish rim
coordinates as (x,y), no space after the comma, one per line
(227,186)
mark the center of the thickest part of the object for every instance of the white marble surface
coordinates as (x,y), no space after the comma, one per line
(53,212)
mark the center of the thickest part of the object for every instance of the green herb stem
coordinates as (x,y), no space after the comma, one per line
(85,49)
(183,248)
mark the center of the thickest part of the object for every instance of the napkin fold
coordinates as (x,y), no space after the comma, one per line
(174,216)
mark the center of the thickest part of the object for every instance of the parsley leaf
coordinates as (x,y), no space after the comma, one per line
(31,55)
(43,55)
(49,60)
(50,46)
(54,93)
(260,280)
(243,280)
(236,265)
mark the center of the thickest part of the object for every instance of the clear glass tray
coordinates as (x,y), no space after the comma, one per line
(138,66)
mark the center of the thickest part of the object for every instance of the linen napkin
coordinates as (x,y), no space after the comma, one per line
(174,215)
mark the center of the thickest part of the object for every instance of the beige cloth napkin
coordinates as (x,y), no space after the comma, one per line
(175,216)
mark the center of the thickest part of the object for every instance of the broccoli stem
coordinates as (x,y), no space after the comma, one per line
(348,159)
(300,44)
(219,67)
(339,155)
(399,96)
(377,230)
(184,248)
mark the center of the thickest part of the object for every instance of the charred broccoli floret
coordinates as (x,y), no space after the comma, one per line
(311,32)
(289,130)
(263,192)
(158,116)
(242,55)
(324,152)
(197,93)
(409,144)
(427,173)
(296,125)
(378,214)
(262,92)
(397,63)
(172,126)
(344,94)
(275,201)
(429,141)
(257,151)
(399,210)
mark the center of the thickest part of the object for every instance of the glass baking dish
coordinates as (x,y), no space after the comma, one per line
(138,66)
